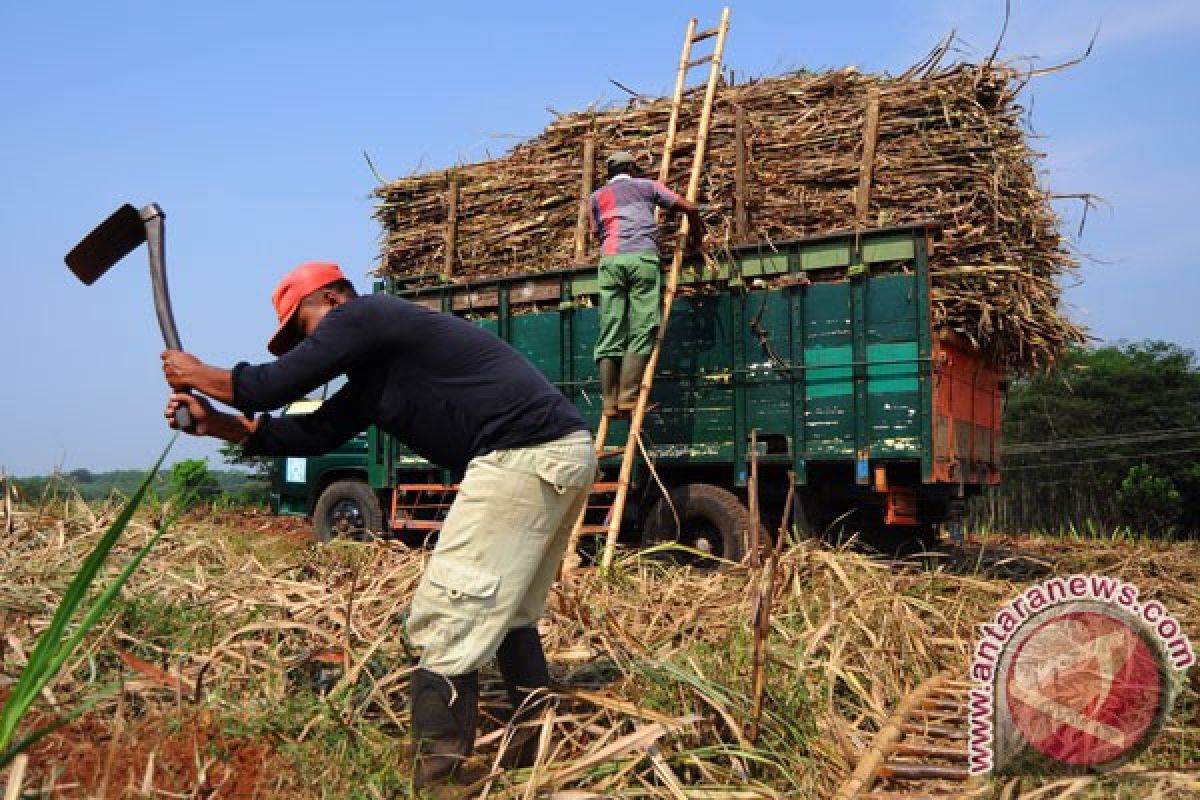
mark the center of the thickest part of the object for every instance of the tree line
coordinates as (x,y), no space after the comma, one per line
(192,480)
(1106,441)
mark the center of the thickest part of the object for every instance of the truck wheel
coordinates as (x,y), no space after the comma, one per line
(711,520)
(347,509)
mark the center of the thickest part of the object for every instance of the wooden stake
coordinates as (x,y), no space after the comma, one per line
(752,498)
(451,225)
(7,488)
(741,220)
(866,168)
(582,225)
(762,615)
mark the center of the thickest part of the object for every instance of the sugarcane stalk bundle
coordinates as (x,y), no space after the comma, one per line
(821,152)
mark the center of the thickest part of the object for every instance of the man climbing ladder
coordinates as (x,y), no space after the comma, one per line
(640,370)
(623,217)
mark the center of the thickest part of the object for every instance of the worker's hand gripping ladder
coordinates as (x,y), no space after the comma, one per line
(628,453)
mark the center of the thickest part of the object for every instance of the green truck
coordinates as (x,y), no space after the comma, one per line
(821,351)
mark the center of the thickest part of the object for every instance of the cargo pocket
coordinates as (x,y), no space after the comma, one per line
(566,472)
(452,603)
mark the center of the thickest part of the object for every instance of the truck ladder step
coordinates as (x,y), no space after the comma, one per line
(420,506)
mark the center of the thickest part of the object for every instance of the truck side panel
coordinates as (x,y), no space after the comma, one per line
(967,399)
(717,383)
(838,371)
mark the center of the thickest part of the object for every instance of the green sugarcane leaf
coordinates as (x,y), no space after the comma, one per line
(104,600)
(51,651)
(81,583)
(33,738)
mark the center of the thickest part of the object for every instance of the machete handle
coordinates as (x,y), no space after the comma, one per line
(153,219)
(183,420)
(182,417)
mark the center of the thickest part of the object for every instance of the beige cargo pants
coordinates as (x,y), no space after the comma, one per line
(499,550)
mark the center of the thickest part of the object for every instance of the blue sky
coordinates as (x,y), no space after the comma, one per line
(247,122)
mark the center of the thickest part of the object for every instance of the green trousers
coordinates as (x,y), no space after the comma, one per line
(630,307)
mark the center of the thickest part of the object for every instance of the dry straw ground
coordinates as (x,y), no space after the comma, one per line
(245,662)
(952,150)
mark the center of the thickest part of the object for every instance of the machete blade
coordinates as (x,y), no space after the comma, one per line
(111,241)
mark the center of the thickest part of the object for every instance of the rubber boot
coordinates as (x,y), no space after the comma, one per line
(522,662)
(610,381)
(445,714)
(633,367)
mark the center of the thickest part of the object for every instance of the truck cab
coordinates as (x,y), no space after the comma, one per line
(332,489)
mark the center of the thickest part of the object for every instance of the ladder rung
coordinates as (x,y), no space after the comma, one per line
(417,525)
(592,530)
(701,60)
(708,34)
(616,451)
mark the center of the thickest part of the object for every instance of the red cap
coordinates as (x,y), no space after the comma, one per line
(295,286)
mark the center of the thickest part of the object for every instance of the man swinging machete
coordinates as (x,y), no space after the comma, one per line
(466,401)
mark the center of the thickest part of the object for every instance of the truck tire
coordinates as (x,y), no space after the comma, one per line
(347,509)
(712,521)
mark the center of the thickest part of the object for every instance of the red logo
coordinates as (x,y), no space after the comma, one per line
(1083,687)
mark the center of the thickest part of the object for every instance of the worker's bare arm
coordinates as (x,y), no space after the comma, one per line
(184,372)
(685,206)
(695,221)
(207,421)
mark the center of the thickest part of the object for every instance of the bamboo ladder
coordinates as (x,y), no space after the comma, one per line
(921,752)
(628,452)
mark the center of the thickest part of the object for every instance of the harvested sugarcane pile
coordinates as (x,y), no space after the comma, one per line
(949,147)
(241,661)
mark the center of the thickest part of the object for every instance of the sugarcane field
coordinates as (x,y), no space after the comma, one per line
(709,403)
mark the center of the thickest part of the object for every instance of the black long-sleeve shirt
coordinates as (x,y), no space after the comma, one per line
(446,388)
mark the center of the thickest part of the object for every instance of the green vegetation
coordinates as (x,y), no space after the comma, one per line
(191,480)
(1105,443)
(237,488)
(58,642)
(261,467)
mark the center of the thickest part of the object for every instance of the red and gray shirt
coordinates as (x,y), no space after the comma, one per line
(623,214)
